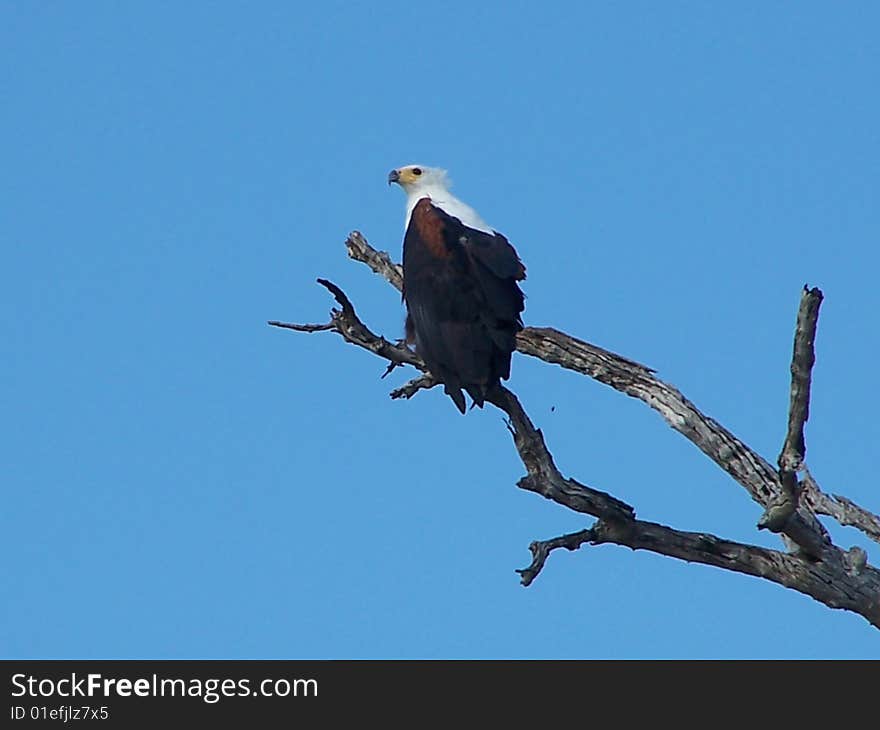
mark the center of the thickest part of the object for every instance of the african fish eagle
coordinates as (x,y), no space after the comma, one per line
(460,287)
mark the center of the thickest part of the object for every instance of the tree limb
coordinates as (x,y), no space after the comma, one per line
(617,524)
(301,327)
(346,323)
(543,477)
(541,550)
(845,511)
(803,358)
(837,578)
(834,581)
(794,447)
(408,390)
(379,261)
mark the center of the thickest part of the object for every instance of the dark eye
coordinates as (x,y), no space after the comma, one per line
(417,171)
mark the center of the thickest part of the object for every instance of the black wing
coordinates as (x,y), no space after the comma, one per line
(496,268)
(462,299)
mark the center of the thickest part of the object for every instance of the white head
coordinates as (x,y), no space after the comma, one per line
(419,181)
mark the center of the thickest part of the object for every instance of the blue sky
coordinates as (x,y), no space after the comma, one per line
(183,481)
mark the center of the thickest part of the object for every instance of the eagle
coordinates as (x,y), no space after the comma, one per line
(460,287)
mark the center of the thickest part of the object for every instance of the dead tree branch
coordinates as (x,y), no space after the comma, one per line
(791,458)
(802,360)
(346,323)
(408,390)
(541,550)
(749,469)
(617,524)
(843,510)
(837,578)
(821,581)
(301,327)
(379,261)
(543,477)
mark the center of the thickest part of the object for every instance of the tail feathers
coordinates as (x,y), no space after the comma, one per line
(457,398)
(478,394)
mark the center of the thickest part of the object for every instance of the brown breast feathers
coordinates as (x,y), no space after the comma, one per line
(429,226)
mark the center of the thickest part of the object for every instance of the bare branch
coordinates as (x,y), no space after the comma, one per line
(840,579)
(543,477)
(802,360)
(301,327)
(845,511)
(617,524)
(746,466)
(346,323)
(379,261)
(541,550)
(408,390)
(857,592)
(781,509)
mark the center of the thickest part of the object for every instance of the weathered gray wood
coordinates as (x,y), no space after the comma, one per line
(794,448)
(843,510)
